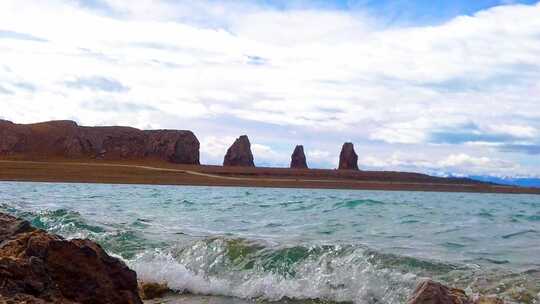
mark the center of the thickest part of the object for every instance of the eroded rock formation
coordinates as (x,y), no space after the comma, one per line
(37,267)
(298,158)
(239,154)
(348,159)
(67,139)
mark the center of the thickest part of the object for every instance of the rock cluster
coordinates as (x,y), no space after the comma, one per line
(239,154)
(37,267)
(430,292)
(348,159)
(67,139)
(298,158)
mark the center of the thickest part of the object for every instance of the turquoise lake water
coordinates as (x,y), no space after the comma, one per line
(276,244)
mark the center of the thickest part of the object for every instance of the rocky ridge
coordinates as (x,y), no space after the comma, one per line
(68,140)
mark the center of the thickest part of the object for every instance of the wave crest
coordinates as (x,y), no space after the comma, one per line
(244,269)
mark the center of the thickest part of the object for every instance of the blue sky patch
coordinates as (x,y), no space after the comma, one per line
(98,83)
(469,133)
(528,149)
(19,36)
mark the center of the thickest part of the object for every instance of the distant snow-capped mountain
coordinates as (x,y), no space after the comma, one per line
(514,181)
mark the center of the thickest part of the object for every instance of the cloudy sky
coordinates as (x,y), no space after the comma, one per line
(429,85)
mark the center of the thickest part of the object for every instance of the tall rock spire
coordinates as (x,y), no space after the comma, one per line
(298,158)
(239,154)
(348,159)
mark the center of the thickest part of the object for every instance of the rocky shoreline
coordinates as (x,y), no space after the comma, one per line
(39,267)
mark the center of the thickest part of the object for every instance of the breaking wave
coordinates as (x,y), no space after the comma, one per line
(248,269)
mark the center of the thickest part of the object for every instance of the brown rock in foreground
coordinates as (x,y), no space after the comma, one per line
(239,154)
(348,159)
(430,292)
(37,267)
(152,290)
(298,158)
(67,139)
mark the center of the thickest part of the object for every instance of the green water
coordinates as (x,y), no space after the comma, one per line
(299,245)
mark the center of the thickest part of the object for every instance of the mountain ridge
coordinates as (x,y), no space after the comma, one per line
(65,138)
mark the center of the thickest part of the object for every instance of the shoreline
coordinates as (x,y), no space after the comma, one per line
(159,173)
(42,267)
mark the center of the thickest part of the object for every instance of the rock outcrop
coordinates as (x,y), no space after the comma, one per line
(152,290)
(348,159)
(239,154)
(37,267)
(58,139)
(430,292)
(298,158)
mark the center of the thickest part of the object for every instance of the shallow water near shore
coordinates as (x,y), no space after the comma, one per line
(239,245)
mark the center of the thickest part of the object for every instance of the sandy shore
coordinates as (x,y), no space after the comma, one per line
(158,173)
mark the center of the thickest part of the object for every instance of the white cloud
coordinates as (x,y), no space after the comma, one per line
(464,163)
(213,148)
(265,155)
(463,159)
(460,164)
(318,155)
(301,28)
(340,74)
(519,131)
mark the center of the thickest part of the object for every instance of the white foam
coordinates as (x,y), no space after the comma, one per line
(202,269)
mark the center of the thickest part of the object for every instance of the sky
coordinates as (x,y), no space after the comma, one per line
(440,87)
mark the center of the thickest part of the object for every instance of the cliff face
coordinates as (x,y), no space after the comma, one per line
(298,158)
(67,139)
(348,159)
(239,154)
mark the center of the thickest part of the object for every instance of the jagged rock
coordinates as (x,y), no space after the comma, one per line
(239,154)
(430,292)
(348,159)
(37,267)
(181,147)
(298,158)
(67,139)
